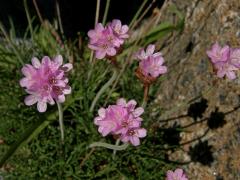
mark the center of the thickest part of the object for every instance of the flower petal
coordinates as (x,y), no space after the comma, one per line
(24,82)
(58,60)
(42,106)
(36,63)
(30,100)
(121,102)
(138,111)
(178,172)
(67,67)
(141,132)
(135,140)
(61,98)
(102,112)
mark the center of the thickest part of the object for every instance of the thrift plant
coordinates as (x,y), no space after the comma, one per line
(95,85)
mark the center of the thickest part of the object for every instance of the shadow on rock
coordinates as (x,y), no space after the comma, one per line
(171,136)
(201,153)
(197,109)
(216,119)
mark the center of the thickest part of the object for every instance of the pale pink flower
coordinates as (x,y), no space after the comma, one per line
(121,119)
(224,60)
(178,174)
(218,54)
(142,54)
(105,45)
(106,41)
(45,81)
(96,34)
(235,57)
(120,31)
(225,68)
(151,64)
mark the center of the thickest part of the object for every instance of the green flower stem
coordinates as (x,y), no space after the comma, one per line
(103,89)
(137,13)
(145,95)
(31,133)
(60,112)
(117,144)
(109,146)
(106,12)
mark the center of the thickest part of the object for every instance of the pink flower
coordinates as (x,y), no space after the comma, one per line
(119,30)
(142,54)
(225,69)
(224,60)
(105,45)
(45,82)
(235,57)
(151,64)
(178,174)
(106,41)
(218,54)
(96,34)
(133,135)
(122,119)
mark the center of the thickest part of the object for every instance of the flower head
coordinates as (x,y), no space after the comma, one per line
(142,54)
(106,41)
(122,119)
(150,65)
(224,60)
(178,174)
(120,31)
(235,57)
(45,81)
(218,54)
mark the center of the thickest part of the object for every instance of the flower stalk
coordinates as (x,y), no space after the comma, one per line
(103,89)
(61,125)
(109,146)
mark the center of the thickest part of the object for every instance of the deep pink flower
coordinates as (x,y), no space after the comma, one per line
(178,174)
(121,119)
(133,135)
(45,81)
(224,60)
(218,54)
(151,64)
(106,41)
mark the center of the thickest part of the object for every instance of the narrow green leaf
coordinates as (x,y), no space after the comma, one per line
(30,134)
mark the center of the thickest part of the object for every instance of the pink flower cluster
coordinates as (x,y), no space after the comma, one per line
(45,81)
(106,41)
(122,119)
(225,60)
(178,174)
(151,64)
